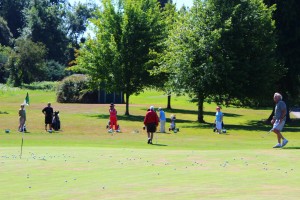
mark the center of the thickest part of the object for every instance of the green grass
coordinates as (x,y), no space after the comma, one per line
(83,161)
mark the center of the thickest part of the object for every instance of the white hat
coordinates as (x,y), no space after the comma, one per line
(159,108)
(151,107)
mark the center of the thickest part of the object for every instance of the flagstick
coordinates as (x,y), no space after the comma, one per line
(22,144)
(26,102)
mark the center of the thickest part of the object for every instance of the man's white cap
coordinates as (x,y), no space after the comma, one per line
(151,107)
(159,108)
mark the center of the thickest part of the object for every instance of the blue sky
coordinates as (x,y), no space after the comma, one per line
(179,3)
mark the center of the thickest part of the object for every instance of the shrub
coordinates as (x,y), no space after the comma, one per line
(74,89)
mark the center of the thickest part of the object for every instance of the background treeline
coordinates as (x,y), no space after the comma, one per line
(38,38)
(228,52)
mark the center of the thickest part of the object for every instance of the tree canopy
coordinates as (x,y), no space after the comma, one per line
(119,56)
(223,50)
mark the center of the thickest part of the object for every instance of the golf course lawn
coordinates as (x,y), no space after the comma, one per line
(83,161)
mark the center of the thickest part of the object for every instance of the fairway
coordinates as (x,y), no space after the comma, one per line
(83,161)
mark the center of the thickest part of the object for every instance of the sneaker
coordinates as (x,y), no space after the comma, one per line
(284,142)
(277,145)
(149,140)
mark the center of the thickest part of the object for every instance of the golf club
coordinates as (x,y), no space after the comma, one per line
(267,134)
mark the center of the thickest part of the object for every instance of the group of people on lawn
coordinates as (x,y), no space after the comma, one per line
(47,111)
(152,120)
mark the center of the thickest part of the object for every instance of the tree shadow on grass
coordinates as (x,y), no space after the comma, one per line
(136,118)
(160,145)
(255,125)
(291,147)
(195,112)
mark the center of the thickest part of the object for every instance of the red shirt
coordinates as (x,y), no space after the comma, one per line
(113,113)
(151,117)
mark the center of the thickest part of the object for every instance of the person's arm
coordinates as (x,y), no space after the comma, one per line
(145,120)
(283,113)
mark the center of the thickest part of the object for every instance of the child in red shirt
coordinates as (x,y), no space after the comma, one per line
(113,117)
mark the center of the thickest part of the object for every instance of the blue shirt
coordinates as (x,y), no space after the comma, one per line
(162,115)
(280,107)
(219,116)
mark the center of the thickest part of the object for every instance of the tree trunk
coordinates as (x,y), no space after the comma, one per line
(286,100)
(169,102)
(200,108)
(99,95)
(127,104)
(271,116)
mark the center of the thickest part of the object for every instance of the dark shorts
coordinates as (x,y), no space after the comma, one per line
(151,128)
(48,120)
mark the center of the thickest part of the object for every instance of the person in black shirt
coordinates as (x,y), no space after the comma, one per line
(48,112)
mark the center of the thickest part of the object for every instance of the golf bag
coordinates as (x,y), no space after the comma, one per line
(173,124)
(56,121)
(215,127)
(110,130)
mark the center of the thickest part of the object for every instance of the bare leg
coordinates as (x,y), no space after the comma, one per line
(149,137)
(279,135)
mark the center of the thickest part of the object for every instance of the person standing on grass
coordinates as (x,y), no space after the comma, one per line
(219,119)
(113,117)
(151,122)
(278,120)
(162,120)
(22,118)
(48,112)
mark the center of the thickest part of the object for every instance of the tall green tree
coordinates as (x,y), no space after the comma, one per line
(12,12)
(45,24)
(4,56)
(223,50)
(119,57)
(5,34)
(77,19)
(163,82)
(287,16)
(141,33)
(26,63)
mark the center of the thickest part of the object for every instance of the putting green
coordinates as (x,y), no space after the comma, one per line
(127,173)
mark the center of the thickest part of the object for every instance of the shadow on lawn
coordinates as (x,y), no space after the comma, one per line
(136,118)
(161,145)
(253,125)
(291,147)
(195,112)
